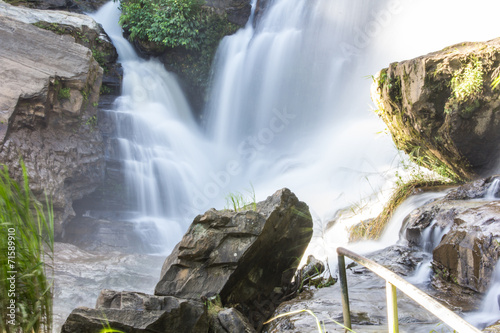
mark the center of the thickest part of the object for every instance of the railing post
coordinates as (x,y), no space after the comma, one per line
(392,308)
(345,294)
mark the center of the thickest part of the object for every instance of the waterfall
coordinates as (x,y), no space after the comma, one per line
(162,150)
(492,192)
(289,107)
(490,311)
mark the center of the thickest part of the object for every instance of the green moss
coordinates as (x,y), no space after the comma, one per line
(64,93)
(54,27)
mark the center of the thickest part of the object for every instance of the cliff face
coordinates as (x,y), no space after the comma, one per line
(48,113)
(442,110)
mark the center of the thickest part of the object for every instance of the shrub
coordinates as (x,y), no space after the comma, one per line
(172,23)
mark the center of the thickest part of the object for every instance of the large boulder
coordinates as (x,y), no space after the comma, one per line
(463,231)
(241,256)
(132,312)
(228,274)
(48,104)
(442,110)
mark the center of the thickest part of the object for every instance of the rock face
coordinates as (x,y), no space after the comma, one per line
(48,107)
(241,256)
(442,110)
(138,312)
(468,226)
(243,259)
(237,11)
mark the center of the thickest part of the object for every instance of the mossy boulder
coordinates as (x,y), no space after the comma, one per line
(442,110)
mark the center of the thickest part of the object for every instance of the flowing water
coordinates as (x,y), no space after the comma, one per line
(490,311)
(493,190)
(289,107)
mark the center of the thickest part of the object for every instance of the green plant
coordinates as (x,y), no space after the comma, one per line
(105,90)
(467,82)
(64,93)
(171,23)
(239,202)
(27,245)
(495,82)
(100,57)
(85,95)
(92,123)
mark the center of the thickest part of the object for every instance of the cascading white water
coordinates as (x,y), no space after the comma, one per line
(162,150)
(490,311)
(493,189)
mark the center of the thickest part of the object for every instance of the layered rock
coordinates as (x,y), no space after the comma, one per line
(467,253)
(442,110)
(48,113)
(243,260)
(241,256)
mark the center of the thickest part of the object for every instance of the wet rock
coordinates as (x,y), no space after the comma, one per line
(313,269)
(468,226)
(467,255)
(50,90)
(367,301)
(138,312)
(237,11)
(241,256)
(230,320)
(448,131)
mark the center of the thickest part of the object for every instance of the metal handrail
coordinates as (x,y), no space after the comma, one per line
(394,281)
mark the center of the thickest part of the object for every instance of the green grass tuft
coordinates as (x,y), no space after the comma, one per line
(26,245)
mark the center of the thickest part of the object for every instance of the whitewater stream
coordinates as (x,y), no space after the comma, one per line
(289,106)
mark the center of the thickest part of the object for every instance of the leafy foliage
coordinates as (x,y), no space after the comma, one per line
(467,82)
(26,242)
(172,23)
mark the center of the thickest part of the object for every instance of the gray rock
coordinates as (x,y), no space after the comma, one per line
(241,256)
(138,312)
(231,320)
(29,15)
(48,114)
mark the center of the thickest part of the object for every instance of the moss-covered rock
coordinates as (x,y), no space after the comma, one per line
(441,109)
